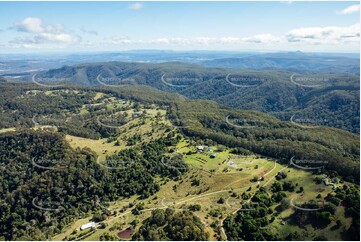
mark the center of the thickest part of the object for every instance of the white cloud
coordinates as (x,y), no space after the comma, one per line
(42,33)
(61,37)
(262,38)
(121,40)
(136,6)
(161,41)
(229,40)
(325,35)
(350,9)
(31,25)
(307,36)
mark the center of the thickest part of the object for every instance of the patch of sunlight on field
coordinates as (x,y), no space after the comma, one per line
(101,147)
(154,112)
(7,130)
(98,95)
(73,227)
(305,179)
(331,232)
(84,111)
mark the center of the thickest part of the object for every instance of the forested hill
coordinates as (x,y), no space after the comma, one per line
(45,184)
(322,99)
(18,112)
(335,149)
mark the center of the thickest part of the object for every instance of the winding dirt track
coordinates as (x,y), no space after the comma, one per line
(223,234)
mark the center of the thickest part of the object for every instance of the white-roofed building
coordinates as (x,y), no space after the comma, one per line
(88,225)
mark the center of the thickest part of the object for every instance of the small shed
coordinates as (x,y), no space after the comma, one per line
(88,225)
(213,155)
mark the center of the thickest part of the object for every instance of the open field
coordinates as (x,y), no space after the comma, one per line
(101,146)
(218,184)
(217,179)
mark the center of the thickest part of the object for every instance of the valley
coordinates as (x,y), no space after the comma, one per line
(193,175)
(326,98)
(180,120)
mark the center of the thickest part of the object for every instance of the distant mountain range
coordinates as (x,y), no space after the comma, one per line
(330,99)
(294,60)
(18,65)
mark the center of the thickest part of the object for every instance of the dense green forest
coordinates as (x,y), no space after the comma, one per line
(251,223)
(171,225)
(70,185)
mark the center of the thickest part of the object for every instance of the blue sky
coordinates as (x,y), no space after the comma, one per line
(242,26)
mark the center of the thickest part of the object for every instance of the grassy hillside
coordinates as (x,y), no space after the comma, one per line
(130,160)
(263,134)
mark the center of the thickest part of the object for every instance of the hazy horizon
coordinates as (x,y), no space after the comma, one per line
(41,27)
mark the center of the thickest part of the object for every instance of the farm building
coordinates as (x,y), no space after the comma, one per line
(88,225)
(200,148)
